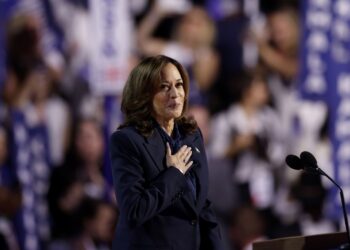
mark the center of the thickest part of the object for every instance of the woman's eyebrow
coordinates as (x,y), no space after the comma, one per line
(166,81)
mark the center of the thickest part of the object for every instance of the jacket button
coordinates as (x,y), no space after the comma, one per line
(193,222)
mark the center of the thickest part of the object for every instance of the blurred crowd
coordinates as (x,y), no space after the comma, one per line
(242,57)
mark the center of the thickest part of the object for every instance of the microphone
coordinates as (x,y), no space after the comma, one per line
(294,162)
(308,163)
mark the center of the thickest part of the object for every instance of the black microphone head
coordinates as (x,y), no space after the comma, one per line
(294,162)
(308,159)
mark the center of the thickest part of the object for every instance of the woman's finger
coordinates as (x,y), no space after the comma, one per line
(188,155)
(189,164)
(168,149)
(182,151)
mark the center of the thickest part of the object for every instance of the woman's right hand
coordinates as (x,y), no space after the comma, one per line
(180,159)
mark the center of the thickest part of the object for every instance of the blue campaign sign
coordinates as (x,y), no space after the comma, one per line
(6,9)
(325,75)
(339,101)
(316,20)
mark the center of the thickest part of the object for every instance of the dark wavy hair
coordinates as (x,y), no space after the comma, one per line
(139,90)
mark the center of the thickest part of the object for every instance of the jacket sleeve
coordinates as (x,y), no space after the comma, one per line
(209,229)
(138,199)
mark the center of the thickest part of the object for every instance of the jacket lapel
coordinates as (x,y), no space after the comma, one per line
(199,169)
(156,149)
(191,141)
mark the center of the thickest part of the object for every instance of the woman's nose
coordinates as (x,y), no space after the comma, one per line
(174,92)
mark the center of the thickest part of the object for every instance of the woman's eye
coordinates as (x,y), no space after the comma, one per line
(164,87)
(179,84)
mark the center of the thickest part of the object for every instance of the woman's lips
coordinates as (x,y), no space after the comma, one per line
(174,105)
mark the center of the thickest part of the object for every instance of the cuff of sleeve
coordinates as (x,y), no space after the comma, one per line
(178,170)
(176,175)
(179,179)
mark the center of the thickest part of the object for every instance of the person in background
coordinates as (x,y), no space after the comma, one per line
(247,226)
(86,157)
(309,192)
(278,43)
(98,221)
(159,165)
(191,43)
(78,221)
(249,134)
(28,150)
(52,110)
(65,195)
(278,48)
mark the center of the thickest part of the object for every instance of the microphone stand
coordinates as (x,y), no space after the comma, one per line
(345,246)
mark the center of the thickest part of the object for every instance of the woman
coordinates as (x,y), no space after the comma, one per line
(159,164)
(249,135)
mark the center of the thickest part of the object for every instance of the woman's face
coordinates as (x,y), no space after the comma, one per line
(284,31)
(168,102)
(104,223)
(195,27)
(89,142)
(258,93)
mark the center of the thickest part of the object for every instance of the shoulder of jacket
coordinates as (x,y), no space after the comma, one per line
(128,131)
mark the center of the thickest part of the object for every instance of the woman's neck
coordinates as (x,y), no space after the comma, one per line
(167,125)
(249,108)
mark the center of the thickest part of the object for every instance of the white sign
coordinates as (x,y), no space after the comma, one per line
(111,31)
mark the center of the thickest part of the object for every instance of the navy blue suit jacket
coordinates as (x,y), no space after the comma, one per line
(157,208)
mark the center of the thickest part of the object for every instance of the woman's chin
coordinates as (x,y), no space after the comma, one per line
(174,114)
(173,117)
